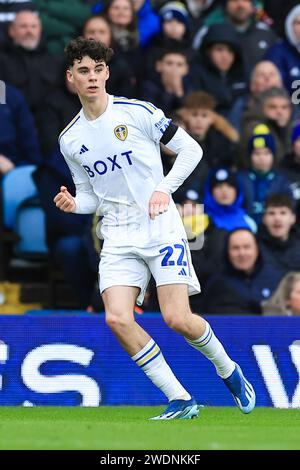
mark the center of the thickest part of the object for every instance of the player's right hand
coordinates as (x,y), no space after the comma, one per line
(64,200)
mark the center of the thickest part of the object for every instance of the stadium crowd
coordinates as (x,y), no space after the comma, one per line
(228,71)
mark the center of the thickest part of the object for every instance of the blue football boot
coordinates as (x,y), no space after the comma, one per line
(241,390)
(180,409)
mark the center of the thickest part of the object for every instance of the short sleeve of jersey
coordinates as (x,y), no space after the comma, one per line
(78,174)
(152,121)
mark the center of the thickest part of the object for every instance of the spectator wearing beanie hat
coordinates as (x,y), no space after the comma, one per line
(261,179)
(223,201)
(174,11)
(175,33)
(290,167)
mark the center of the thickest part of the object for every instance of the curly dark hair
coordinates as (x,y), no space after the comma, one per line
(80,47)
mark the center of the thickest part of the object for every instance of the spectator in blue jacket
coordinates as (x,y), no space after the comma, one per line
(262,179)
(223,201)
(244,282)
(286,53)
(18,136)
(148,21)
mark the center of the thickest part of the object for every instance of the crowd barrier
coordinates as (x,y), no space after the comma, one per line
(74,360)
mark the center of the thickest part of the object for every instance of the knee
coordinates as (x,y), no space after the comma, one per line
(177,322)
(117,321)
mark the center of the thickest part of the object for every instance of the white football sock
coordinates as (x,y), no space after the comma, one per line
(211,347)
(152,362)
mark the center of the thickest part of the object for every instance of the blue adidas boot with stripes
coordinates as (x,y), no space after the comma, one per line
(180,409)
(241,390)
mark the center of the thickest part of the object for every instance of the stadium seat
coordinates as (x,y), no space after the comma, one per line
(17,186)
(22,224)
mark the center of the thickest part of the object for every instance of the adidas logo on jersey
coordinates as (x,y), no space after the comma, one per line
(182,272)
(83,149)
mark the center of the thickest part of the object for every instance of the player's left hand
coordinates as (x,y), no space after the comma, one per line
(158,204)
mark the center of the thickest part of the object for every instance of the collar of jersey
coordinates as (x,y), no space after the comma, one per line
(102,116)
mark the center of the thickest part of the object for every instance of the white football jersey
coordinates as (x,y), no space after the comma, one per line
(119,155)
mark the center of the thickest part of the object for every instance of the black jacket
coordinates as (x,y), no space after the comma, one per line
(226,88)
(153,90)
(282,255)
(233,292)
(255,41)
(35,73)
(53,115)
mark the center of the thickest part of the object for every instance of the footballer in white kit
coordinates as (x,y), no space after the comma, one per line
(112,149)
(116,160)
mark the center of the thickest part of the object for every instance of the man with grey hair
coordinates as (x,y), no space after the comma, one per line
(8,11)
(25,61)
(274,111)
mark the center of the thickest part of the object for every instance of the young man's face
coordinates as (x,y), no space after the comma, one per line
(242,250)
(279,221)
(221,56)
(239,11)
(262,159)
(224,194)
(198,121)
(172,64)
(174,29)
(99,30)
(278,109)
(89,77)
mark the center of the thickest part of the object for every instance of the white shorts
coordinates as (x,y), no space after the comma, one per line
(131,266)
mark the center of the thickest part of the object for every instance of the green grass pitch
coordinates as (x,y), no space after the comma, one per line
(129,428)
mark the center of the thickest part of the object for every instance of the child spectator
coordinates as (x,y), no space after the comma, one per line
(175,33)
(223,201)
(171,83)
(261,179)
(213,132)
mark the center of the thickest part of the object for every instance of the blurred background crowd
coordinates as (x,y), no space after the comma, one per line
(228,71)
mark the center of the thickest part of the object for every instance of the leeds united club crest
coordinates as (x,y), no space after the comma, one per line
(121,132)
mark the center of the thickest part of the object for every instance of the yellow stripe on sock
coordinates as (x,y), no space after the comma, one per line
(148,356)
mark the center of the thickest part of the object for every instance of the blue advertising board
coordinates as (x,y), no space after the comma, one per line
(76,361)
